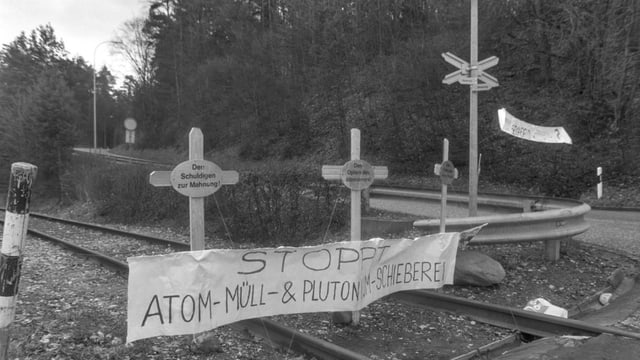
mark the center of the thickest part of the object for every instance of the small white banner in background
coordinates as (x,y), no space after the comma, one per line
(512,125)
(192,292)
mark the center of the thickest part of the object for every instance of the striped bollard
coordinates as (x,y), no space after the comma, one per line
(15,230)
(599,186)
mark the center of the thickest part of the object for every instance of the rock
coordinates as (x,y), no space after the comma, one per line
(477,269)
(616,278)
(604,299)
(344,317)
(207,343)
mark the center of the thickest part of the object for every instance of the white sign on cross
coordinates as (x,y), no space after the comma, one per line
(196,178)
(357,175)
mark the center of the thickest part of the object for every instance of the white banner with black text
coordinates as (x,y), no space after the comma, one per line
(195,291)
(518,128)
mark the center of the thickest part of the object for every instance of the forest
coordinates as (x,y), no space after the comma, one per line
(287,79)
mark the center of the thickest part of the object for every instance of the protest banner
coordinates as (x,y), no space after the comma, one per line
(518,128)
(191,292)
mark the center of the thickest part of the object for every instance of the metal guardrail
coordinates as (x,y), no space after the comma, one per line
(104,153)
(538,219)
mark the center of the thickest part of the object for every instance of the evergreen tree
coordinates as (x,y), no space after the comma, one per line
(49,127)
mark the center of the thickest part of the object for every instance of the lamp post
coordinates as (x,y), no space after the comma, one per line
(95,131)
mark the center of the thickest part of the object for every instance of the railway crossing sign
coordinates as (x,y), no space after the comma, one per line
(471,75)
(196,178)
(357,175)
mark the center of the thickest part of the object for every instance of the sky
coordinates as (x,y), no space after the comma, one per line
(81,24)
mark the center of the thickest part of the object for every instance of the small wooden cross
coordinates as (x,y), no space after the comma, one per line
(196,178)
(447,173)
(357,175)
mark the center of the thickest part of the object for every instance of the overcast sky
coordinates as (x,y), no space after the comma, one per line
(81,24)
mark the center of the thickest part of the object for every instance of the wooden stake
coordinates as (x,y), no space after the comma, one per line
(196,204)
(443,200)
(447,173)
(13,236)
(356,214)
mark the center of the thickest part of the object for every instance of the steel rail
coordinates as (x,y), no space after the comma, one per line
(539,219)
(523,321)
(150,238)
(284,337)
(120,158)
(526,322)
(109,262)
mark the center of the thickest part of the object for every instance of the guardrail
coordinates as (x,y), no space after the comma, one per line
(538,219)
(104,153)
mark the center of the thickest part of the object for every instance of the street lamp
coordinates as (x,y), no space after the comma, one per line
(95,133)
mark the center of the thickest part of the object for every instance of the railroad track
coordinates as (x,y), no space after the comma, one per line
(113,249)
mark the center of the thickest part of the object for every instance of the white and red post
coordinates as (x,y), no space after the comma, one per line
(599,185)
(14,233)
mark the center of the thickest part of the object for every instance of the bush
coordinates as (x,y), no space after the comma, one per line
(277,205)
(273,205)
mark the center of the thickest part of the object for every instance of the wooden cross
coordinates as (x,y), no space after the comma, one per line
(196,178)
(447,173)
(357,175)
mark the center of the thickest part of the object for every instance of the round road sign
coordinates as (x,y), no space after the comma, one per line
(130,124)
(196,178)
(447,172)
(357,174)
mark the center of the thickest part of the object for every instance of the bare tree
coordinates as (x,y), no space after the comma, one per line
(137,46)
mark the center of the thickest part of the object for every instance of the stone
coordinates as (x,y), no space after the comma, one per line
(615,278)
(344,318)
(207,343)
(477,269)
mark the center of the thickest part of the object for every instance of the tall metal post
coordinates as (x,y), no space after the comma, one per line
(474,74)
(473,115)
(95,121)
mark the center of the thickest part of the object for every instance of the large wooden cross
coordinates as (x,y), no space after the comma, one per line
(357,175)
(447,173)
(196,178)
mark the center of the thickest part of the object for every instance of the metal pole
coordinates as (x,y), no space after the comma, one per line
(13,235)
(473,115)
(95,135)
(95,130)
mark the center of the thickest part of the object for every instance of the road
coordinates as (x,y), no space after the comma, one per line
(619,230)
